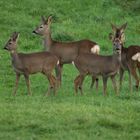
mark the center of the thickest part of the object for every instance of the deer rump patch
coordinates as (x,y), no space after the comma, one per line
(136,57)
(95,49)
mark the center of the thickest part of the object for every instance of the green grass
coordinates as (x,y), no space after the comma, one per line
(66,116)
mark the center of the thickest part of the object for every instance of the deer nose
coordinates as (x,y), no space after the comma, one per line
(34,32)
(5,48)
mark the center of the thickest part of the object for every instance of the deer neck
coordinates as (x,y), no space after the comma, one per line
(117,57)
(47,40)
(15,57)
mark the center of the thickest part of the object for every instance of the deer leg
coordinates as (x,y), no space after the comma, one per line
(16,83)
(114,84)
(134,74)
(80,84)
(97,80)
(58,71)
(52,81)
(76,84)
(121,77)
(130,82)
(93,81)
(26,76)
(104,85)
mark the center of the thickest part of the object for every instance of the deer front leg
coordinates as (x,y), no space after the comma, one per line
(26,76)
(121,77)
(104,85)
(78,83)
(58,71)
(114,84)
(16,83)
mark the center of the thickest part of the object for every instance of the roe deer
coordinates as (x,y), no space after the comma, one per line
(32,63)
(92,64)
(130,56)
(65,51)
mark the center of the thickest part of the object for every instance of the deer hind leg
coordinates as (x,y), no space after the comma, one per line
(130,82)
(104,85)
(97,81)
(114,84)
(26,76)
(76,84)
(134,74)
(58,71)
(52,83)
(81,83)
(16,83)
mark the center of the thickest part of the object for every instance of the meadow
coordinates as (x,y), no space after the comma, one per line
(65,116)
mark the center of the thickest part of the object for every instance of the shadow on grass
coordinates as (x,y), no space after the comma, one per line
(129,97)
(110,124)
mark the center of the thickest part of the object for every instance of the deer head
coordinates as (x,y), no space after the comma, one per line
(117,45)
(44,27)
(118,32)
(12,42)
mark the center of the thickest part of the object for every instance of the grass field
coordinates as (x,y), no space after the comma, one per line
(67,117)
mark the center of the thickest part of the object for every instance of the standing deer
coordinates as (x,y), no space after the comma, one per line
(66,52)
(130,56)
(92,64)
(32,63)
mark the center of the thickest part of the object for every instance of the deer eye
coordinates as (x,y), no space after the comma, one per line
(10,43)
(41,27)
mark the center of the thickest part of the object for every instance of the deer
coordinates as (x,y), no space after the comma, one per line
(65,51)
(32,63)
(130,56)
(99,65)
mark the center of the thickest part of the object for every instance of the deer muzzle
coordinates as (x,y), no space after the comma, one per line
(5,48)
(34,32)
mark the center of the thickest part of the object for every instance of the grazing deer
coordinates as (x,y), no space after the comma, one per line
(32,63)
(66,52)
(130,56)
(92,64)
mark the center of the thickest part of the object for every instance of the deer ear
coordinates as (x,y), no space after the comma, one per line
(114,28)
(122,37)
(123,27)
(15,36)
(111,36)
(50,19)
(43,19)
